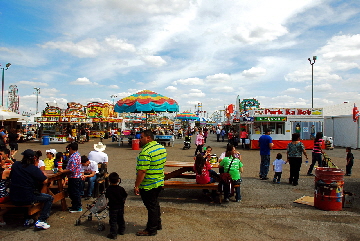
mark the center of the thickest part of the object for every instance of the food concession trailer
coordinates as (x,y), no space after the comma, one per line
(283,122)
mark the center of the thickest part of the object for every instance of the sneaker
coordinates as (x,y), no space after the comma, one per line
(278,183)
(42,225)
(29,222)
(264,178)
(75,210)
(274,180)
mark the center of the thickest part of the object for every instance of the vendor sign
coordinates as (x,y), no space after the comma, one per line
(287,111)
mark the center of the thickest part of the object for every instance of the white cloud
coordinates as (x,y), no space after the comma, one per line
(320,88)
(154,60)
(293,91)
(218,78)
(122,95)
(119,44)
(49,92)
(32,83)
(189,81)
(87,48)
(171,88)
(222,89)
(194,93)
(342,48)
(254,72)
(82,81)
(113,86)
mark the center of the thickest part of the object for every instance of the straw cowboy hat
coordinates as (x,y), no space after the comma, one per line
(99,147)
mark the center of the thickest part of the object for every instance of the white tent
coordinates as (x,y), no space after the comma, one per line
(6,115)
(339,124)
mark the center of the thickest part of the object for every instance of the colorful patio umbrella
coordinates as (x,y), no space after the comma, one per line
(186,116)
(146,101)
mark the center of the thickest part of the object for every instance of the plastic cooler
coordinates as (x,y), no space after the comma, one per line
(135,144)
(45,140)
(329,183)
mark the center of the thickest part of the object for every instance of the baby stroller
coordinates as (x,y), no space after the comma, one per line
(99,209)
(187,142)
(327,161)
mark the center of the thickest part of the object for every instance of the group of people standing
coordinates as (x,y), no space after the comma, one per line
(294,152)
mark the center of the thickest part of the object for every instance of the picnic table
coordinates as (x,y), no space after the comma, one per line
(59,194)
(185,171)
(165,139)
(129,137)
(57,191)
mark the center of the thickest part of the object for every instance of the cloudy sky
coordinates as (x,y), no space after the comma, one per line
(189,50)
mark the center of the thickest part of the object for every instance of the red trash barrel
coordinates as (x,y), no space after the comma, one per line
(135,144)
(329,183)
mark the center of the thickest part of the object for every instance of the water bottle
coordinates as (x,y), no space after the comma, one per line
(55,170)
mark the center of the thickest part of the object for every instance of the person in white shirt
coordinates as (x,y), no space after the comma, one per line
(41,163)
(89,169)
(98,155)
(277,167)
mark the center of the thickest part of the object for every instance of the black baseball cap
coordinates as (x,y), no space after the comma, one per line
(28,153)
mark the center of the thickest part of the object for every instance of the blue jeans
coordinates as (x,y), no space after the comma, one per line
(47,200)
(237,190)
(91,184)
(74,190)
(264,166)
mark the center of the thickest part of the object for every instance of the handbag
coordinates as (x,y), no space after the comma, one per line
(225,177)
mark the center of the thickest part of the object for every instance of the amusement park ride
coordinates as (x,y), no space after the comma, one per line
(13,99)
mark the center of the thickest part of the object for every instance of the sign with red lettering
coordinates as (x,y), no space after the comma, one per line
(287,112)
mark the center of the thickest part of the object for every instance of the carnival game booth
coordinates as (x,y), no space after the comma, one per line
(283,122)
(58,124)
(103,118)
(63,125)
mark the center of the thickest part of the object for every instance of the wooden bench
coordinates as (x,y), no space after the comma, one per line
(194,185)
(32,208)
(190,185)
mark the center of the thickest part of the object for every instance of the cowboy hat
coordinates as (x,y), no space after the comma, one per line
(99,147)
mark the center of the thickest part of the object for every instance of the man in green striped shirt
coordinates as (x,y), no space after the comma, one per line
(150,179)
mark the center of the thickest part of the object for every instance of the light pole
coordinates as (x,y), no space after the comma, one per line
(2,83)
(37,98)
(113,98)
(312,80)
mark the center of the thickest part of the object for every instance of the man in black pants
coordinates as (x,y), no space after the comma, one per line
(150,179)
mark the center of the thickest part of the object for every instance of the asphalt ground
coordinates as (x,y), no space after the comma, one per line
(267,210)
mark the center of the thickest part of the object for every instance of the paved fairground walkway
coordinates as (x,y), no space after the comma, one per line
(267,210)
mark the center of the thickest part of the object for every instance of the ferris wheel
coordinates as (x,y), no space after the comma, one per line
(13,99)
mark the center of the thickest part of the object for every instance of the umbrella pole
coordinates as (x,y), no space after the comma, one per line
(146,120)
